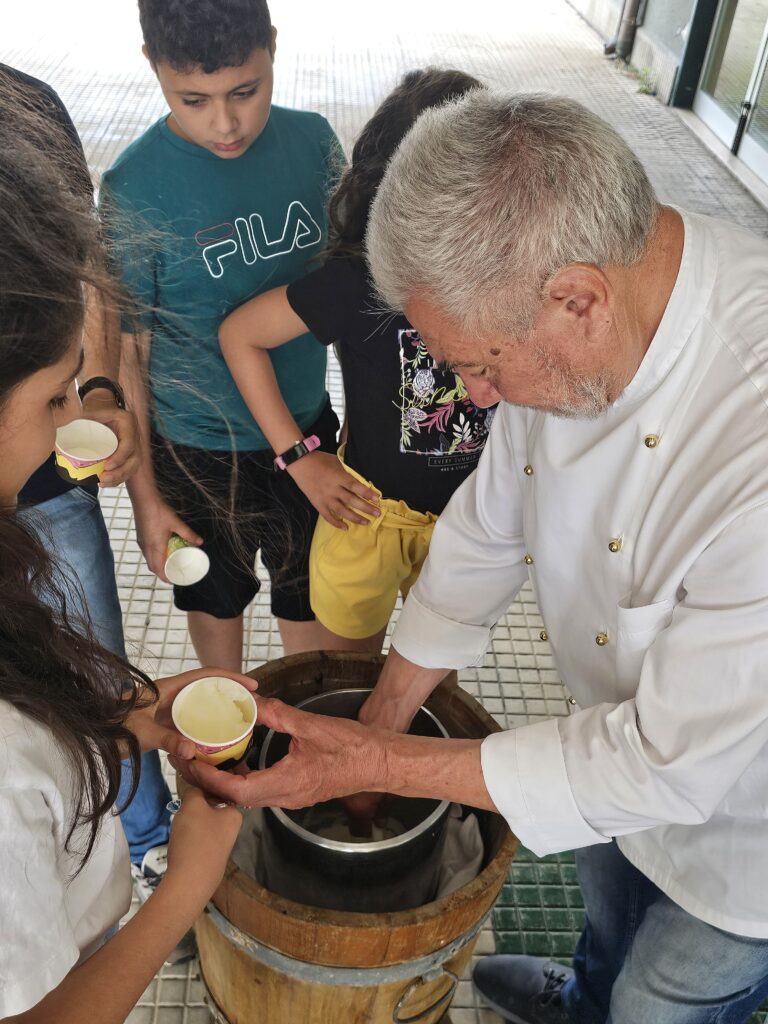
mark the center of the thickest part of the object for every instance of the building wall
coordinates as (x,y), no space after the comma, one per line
(602,15)
(659,42)
(666,23)
(657,65)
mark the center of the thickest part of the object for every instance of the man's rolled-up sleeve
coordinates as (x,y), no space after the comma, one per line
(671,753)
(475,565)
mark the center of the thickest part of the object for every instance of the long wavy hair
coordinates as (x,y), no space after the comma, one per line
(51,668)
(351,202)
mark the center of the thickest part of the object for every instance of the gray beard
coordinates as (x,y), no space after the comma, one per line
(578,398)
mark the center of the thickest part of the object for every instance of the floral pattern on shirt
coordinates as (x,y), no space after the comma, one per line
(438,417)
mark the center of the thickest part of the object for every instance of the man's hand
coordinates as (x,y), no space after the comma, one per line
(100,405)
(153,726)
(399,693)
(155,522)
(336,757)
(328,757)
(336,494)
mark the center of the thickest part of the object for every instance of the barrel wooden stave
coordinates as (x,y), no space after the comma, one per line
(248,991)
(252,992)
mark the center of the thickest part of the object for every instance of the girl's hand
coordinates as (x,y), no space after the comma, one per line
(202,837)
(155,522)
(153,726)
(336,494)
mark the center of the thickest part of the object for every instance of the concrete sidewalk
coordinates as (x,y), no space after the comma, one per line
(342,65)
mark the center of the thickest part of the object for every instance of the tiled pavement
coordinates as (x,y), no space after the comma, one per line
(340,58)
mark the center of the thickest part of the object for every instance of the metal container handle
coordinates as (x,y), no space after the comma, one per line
(425,979)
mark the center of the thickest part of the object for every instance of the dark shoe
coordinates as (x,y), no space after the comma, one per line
(523,989)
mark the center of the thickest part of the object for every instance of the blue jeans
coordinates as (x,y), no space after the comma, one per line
(642,959)
(75,533)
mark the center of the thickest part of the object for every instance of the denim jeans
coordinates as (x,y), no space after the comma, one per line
(642,959)
(74,531)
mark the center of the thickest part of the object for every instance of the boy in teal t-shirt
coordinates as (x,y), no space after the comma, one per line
(218,201)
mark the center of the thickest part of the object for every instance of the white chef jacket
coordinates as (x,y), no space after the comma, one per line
(50,917)
(645,534)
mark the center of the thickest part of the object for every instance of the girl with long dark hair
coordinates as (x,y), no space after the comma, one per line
(70,711)
(413,435)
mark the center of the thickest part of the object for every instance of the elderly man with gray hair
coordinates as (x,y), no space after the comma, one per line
(626,476)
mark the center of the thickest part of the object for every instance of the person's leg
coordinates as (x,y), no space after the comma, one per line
(217,642)
(681,970)
(313,636)
(74,525)
(206,489)
(534,990)
(616,896)
(73,529)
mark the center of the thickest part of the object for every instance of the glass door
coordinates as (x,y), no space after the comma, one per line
(732,98)
(753,149)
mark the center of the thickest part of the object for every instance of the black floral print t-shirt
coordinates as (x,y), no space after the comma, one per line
(413,430)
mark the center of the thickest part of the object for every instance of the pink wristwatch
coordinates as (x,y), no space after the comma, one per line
(297,451)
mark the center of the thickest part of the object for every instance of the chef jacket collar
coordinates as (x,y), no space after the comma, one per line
(685,308)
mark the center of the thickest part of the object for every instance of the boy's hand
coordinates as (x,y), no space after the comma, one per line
(153,726)
(202,837)
(100,405)
(155,522)
(336,494)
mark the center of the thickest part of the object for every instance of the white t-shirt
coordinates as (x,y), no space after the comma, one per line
(49,921)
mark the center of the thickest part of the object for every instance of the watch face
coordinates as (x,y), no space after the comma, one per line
(295,453)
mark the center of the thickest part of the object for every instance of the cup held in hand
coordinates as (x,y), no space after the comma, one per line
(185,564)
(82,448)
(218,715)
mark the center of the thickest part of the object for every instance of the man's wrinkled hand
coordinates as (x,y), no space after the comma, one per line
(327,758)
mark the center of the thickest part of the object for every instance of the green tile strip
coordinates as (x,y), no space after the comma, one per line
(541,912)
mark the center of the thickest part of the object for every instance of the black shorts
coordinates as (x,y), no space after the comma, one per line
(239,504)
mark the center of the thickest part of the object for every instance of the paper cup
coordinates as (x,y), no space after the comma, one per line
(82,448)
(196,710)
(185,564)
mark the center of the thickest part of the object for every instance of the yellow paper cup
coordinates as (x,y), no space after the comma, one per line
(82,448)
(207,709)
(185,564)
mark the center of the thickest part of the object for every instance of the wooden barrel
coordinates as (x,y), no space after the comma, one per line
(268,960)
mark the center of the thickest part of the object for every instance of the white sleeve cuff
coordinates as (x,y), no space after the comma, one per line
(524,772)
(430,640)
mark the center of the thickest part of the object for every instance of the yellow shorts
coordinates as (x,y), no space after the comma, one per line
(355,574)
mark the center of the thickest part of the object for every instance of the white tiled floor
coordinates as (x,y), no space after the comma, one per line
(341,57)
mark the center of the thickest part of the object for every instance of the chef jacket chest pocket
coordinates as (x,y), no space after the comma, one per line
(636,630)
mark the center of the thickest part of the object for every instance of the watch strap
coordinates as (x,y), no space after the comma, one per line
(102,382)
(297,451)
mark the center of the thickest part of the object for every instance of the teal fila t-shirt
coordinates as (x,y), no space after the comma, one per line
(194,236)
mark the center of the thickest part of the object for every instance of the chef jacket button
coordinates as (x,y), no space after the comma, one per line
(528,559)
(528,470)
(601,639)
(571,700)
(614,545)
(543,635)
(651,441)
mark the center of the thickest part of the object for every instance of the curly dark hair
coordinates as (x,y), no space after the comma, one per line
(51,667)
(350,204)
(206,34)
